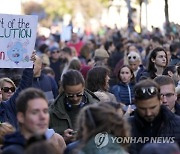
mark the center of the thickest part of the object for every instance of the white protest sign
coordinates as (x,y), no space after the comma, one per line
(66,33)
(17,40)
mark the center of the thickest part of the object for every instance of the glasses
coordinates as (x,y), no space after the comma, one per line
(146,92)
(73,95)
(56,51)
(168,95)
(6,89)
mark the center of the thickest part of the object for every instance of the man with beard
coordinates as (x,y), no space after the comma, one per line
(59,61)
(55,62)
(66,57)
(151,119)
(64,110)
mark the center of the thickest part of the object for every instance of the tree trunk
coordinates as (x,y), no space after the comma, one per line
(140,14)
(130,22)
(166,10)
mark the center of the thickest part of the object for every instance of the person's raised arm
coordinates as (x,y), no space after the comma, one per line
(25,82)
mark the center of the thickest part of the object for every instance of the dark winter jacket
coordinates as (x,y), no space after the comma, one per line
(56,68)
(8,108)
(166,124)
(177,109)
(160,148)
(14,144)
(147,75)
(174,59)
(72,147)
(124,93)
(114,58)
(48,85)
(140,72)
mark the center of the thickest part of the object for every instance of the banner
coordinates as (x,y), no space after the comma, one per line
(17,40)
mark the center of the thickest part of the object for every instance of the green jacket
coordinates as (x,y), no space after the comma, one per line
(59,119)
(110,148)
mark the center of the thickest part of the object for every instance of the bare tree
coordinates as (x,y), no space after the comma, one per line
(166,11)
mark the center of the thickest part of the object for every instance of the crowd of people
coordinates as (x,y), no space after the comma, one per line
(84,93)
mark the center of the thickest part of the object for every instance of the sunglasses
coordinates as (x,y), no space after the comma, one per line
(6,89)
(73,95)
(132,57)
(57,51)
(146,92)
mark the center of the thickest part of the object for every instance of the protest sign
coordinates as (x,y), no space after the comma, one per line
(17,40)
(66,33)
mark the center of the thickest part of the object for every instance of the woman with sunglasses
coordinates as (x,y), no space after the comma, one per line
(135,62)
(72,98)
(7,87)
(123,91)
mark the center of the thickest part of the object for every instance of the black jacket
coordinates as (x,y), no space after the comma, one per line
(48,85)
(174,59)
(146,74)
(14,144)
(167,124)
(177,109)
